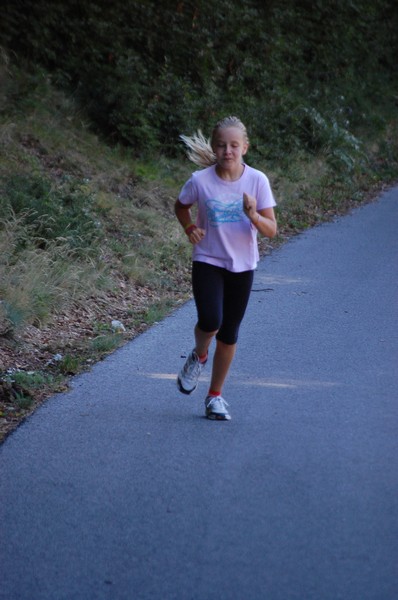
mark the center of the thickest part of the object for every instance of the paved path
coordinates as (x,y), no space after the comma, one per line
(121,490)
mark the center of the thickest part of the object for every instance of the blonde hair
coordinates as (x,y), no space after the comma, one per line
(200,149)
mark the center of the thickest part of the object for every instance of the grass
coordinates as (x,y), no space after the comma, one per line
(35,282)
(88,233)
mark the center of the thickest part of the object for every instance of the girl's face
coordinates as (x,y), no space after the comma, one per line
(229,146)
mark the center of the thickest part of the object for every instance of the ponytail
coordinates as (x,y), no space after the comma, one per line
(199,150)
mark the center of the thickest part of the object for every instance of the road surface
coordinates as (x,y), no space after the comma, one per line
(120,489)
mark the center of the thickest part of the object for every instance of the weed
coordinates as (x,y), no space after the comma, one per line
(100,328)
(23,401)
(155,313)
(23,386)
(70,365)
(31,379)
(103,344)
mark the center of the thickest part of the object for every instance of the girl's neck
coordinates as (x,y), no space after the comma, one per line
(228,175)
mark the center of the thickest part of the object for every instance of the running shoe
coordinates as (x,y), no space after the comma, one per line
(187,379)
(216,408)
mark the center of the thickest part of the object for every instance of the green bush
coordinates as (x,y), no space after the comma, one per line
(155,69)
(52,213)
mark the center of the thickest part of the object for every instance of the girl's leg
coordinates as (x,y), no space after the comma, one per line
(202,341)
(208,286)
(223,357)
(237,288)
(215,405)
(207,283)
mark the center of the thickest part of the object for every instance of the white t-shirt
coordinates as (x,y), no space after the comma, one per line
(231,239)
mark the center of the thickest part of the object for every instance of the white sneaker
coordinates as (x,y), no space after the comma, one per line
(216,408)
(187,379)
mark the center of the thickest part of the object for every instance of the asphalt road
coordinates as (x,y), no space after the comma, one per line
(122,490)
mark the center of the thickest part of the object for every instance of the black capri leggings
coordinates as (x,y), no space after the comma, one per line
(221,299)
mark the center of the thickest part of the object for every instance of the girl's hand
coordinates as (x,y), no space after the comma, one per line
(196,235)
(249,206)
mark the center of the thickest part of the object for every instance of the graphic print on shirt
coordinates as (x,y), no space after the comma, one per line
(226,208)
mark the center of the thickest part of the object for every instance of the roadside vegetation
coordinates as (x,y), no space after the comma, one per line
(91,163)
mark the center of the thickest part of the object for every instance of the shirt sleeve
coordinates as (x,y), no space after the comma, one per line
(265,197)
(188,194)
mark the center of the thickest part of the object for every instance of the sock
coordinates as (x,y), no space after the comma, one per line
(214,393)
(203,358)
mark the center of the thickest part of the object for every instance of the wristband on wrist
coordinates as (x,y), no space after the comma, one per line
(189,228)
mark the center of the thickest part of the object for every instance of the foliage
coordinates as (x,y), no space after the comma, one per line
(61,213)
(37,281)
(149,70)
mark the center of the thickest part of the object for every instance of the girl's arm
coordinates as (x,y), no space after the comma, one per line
(263,220)
(184,215)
